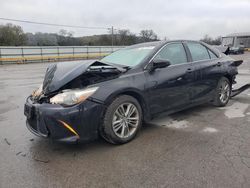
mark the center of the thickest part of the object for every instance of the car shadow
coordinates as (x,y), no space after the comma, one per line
(183,114)
(41,148)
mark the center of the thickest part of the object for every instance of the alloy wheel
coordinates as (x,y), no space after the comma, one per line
(125,120)
(224,92)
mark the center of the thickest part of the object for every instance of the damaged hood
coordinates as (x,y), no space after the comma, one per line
(57,75)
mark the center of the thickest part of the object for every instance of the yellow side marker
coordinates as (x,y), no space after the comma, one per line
(69,128)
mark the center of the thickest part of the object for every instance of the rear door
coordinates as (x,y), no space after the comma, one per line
(207,71)
(168,88)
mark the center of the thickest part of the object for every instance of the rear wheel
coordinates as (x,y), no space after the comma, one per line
(222,93)
(122,120)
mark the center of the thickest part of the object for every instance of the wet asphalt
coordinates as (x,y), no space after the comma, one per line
(199,147)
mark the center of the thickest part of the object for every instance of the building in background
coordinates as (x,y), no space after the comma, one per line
(238,42)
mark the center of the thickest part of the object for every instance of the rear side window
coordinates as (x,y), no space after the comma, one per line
(212,55)
(198,51)
(175,53)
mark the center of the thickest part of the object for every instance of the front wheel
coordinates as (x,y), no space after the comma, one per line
(222,93)
(122,120)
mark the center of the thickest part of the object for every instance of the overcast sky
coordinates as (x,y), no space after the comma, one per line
(174,19)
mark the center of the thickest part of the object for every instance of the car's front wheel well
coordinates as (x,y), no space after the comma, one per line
(139,98)
(141,101)
(229,77)
(122,120)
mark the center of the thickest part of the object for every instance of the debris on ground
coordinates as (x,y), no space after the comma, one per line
(18,153)
(41,161)
(7,142)
(23,155)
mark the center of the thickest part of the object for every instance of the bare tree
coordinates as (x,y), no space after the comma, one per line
(148,35)
(65,33)
(209,40)
(12,35)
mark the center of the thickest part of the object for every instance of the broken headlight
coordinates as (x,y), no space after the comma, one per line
(71,97)
(37,92)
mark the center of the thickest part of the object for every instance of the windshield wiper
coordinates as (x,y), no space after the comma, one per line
(126,67)
(122,68)
(103,69)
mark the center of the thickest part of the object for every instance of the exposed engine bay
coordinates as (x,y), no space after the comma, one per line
(91,77)
(94,73)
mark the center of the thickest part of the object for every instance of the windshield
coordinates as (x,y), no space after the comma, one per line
(128,56)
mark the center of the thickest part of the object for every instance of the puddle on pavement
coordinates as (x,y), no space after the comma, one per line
(209,130)
(170,123)
(236,110)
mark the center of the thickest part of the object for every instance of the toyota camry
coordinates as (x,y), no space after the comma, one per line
(113,96)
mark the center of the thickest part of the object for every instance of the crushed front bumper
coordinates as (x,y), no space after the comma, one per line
(67,124)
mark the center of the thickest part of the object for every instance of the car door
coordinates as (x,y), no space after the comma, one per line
(168,88)
(207,71)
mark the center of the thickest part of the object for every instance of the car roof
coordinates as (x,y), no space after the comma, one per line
(146,44)
(158,43)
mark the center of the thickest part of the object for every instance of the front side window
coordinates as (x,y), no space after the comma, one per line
(198,51)
(174,53)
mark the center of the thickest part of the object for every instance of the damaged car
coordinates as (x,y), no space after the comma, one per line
(112,97)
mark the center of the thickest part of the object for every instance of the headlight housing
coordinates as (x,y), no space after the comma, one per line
(37,92)
(71,97)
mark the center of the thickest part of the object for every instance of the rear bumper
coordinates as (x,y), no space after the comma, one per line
(66,124)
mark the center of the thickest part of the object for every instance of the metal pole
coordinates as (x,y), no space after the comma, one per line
(41,50)
(22,51)
(112,36)
(58,53)
(22,55)
(87,52)
(1,62)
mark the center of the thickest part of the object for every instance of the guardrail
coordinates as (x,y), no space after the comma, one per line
(31,54)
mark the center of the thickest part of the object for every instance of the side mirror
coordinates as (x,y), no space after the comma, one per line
(159,64)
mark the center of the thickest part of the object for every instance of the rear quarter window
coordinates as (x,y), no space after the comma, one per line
(198,51)
(212,55)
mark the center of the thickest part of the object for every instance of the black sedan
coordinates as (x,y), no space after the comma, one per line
(111,97)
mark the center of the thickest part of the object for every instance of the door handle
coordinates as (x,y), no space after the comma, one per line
(189,70)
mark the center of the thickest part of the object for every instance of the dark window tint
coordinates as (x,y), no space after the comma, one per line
(174,53)
(212,55)
(198,51)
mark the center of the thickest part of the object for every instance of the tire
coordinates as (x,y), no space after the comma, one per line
(122,120)
(222,93)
